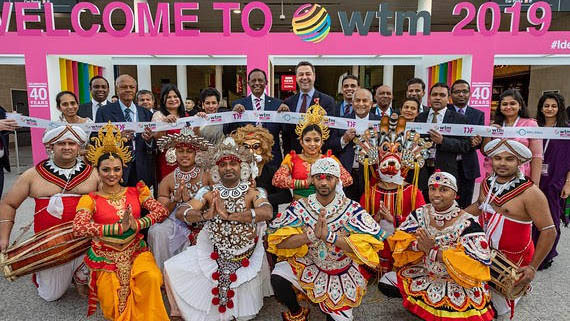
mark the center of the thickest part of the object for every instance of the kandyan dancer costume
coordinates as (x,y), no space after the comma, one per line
(172,236)
(225,275)
(295,168)
(453,287)
(393,154)
(124,277)
(329,276)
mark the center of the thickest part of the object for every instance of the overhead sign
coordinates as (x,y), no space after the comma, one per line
(556,5)
(59,6)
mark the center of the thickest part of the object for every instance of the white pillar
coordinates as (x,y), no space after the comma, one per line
(219,71)
(423,5)
(388,76)
(182,80)
(355,70)
(143,77)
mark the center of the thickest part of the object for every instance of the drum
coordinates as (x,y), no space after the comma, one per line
(504,275)
(51,247)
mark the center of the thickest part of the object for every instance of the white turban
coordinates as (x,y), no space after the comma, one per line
(497,146)
(326,165)
(61,133)
(443,179)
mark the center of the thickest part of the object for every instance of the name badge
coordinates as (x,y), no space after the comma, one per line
(545,169)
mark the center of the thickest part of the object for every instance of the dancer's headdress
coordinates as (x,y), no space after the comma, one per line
(185,137)
(228,149)
(497,146)
(315,115)
(108,140)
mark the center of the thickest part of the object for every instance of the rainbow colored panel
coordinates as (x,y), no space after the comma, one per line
(447,72)
(75,76)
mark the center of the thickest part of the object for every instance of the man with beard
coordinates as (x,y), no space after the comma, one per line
(172,235)
(383,96)
(225,275)
(324,240)
(259,141)
(259,101)
(99,89)
(56,184)
(508,205)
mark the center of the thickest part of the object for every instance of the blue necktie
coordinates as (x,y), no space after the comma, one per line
(128,117)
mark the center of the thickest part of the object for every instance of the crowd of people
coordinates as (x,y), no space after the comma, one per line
(194,211)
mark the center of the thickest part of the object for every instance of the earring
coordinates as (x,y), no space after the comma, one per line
(122,180)
(245,172)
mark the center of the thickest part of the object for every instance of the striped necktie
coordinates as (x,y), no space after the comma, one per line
(257,103)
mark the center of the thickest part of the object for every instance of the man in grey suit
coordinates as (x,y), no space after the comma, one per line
(99,89)
(467,163)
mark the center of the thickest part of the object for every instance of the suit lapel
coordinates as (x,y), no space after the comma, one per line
(247,103)
(118,112)
(447,116)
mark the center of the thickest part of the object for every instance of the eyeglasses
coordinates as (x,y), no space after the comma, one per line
(254,146)
(457,92)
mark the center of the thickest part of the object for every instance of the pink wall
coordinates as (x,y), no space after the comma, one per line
(257,49)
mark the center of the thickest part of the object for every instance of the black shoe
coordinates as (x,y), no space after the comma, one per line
(389,290)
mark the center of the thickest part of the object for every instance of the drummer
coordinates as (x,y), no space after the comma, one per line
(509,203)
(55,184)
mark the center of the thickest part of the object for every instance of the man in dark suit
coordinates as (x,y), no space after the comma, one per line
(383,96)
(99,89)
(362,104)
(300,102)
(416,88)
(141,145)
(350,84)
(7,126)
(444,154)
(258,100)
(468,163)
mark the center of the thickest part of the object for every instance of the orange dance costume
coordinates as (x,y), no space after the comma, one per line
(453,288)
(123,275)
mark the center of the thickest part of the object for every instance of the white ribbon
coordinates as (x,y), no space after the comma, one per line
(55,206)
(293,118)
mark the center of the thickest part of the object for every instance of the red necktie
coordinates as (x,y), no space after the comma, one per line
(258,103)
(304,104)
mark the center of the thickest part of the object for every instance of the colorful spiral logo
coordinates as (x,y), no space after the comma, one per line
(311,22)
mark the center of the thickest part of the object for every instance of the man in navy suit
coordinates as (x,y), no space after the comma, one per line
(443,155)
(99,89)
(141,145)
(467,163)
(258,100)
(362,104)
(300,102)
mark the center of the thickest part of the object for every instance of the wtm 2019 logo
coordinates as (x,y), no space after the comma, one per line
(311,22)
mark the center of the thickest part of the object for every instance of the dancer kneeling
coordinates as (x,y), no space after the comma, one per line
(324,239)
(225,275)
(444,257)
(123,275)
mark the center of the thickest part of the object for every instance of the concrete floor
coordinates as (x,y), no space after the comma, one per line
(19,300)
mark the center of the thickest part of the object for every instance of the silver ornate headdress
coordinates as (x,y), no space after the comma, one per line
(228,149)
(185,137)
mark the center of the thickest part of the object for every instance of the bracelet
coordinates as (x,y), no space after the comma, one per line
(432,254)
(252,216)
(331,237)
(547,227)
(532,268)
(6,221)
(185,214)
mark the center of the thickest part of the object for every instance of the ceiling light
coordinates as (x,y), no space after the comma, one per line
(236,11)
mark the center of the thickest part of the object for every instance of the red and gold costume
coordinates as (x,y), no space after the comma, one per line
(295,169)
(294,172)
(123,276)
(451,289)
(393,152)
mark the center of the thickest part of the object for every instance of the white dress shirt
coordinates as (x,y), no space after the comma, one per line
(94,106)
(261,102)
